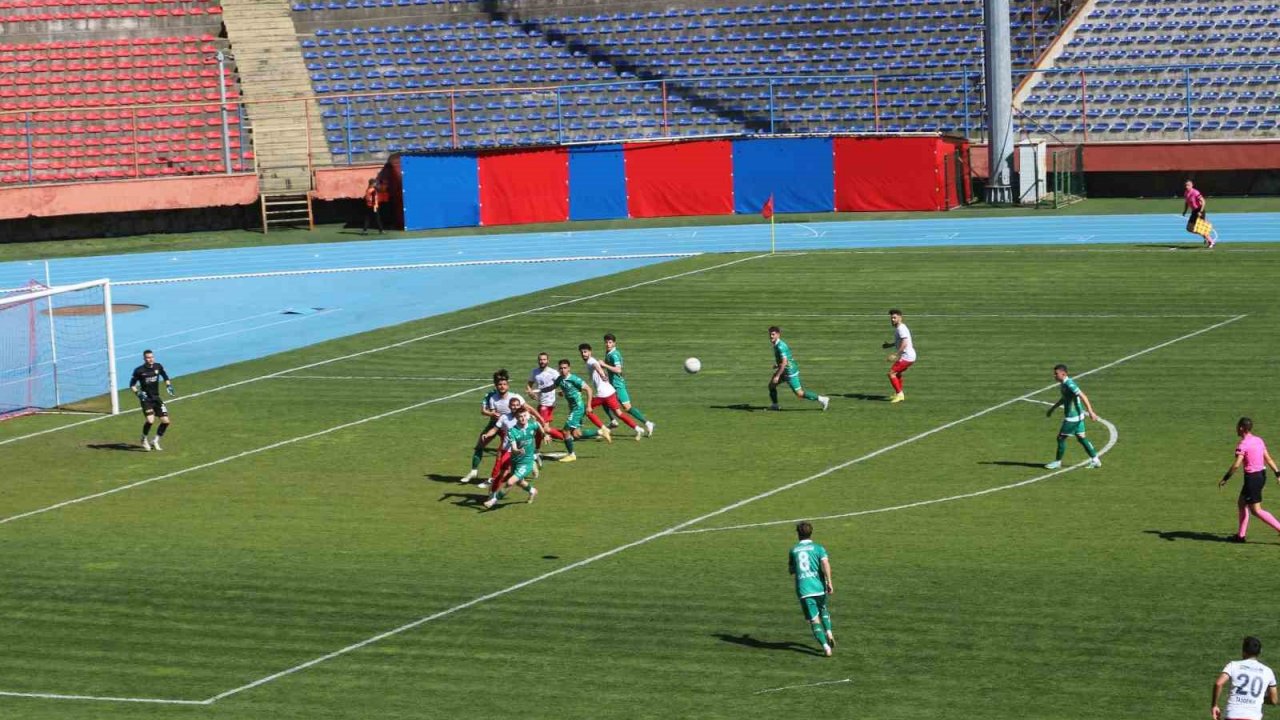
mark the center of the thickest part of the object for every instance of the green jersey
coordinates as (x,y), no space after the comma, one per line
(782,351)
(571,386)
(1072,405)
(614,358)
(522,437)
(805,562)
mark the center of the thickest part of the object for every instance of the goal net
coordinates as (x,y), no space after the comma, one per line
(56,350)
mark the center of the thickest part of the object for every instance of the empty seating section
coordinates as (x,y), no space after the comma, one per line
(440,73)
(1163,69)
(123,99)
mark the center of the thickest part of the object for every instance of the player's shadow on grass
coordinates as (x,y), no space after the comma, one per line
(748,641)
(1172,535)
(871,397)
(1013,463)
(437,477)
(474,501)
(127,447)
(748,407)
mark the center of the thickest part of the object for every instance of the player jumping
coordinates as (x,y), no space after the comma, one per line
(495,404)
(904,354)
(145,383)
(606,394)
(786,369)
(809,563)
(1075,404)
(521,444)
(1252,454)
(613,364)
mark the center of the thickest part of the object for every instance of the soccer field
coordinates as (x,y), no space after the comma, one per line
(302,548)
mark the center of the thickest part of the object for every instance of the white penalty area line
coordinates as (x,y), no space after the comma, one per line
(381,377)
(103,698)
(407,266)
(410,341)
(806,685)
(880,315)
(237,456)
(1111,442)
(675,529)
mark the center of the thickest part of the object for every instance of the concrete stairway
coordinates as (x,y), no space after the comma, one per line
(267,54)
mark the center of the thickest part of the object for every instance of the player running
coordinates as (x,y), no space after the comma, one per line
(495,404)
(904,354)
(1252,684)
(573,388)
(541,389)
(786,369)
(1193,200)
(613,364)
(145,383)
(809,563)
(1252,454)
(1075,404)
(606,395)
(521,445)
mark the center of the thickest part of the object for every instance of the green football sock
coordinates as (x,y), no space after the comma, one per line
(1088,447)
(635,413)
(590,433)
(819,633)
(773,394)
(476,457)
(826,619)
(1062,447)
(568,443)
(810,395)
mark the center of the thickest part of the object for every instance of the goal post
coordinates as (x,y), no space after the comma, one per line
(1067,173)
(57,350)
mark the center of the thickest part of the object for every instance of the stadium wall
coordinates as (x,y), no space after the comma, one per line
(681,178)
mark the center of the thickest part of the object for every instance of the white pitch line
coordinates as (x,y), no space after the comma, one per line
(379,377)
(1111,442)
(403,343)
(674,529)
(793,687)
(237,456)
(1001,316)
(99,698)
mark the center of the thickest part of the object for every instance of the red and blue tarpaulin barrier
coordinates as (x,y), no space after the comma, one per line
(796,172)
(681,178)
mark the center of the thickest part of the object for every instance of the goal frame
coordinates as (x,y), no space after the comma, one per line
(47,294)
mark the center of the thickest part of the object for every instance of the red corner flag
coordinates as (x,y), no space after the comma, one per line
(767,211)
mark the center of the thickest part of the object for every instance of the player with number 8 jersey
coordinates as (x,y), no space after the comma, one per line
(809,563)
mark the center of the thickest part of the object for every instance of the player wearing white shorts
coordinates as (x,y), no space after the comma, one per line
(606,395)
(904,353)
(1252,684)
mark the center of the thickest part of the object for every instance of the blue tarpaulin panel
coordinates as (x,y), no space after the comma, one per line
(597,183)
(798,172)
(440,191)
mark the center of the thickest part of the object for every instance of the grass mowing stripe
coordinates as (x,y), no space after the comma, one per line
(410,341)
(147,701)
(237,456)
(687,523)
(1111,442)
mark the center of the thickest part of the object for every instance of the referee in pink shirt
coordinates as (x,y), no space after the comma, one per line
(1252,454)
(1193,200)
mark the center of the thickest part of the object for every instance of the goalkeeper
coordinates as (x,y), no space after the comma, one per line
(146,384)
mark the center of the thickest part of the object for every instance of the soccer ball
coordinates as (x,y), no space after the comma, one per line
(692,365)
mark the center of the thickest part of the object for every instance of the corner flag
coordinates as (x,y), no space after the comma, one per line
(767,211)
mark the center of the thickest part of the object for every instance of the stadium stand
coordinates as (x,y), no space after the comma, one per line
(114,90)
(443,71)
(1162,70)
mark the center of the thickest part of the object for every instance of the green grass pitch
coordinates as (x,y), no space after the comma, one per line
(292,517)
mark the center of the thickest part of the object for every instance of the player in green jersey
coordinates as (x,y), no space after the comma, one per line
(573,387)
(1075,406)
(809,563)
(786,369)
(613,364)
(521,442)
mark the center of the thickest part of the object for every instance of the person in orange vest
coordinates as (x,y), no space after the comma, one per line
(373,196)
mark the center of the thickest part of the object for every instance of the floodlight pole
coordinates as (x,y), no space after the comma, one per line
(222,96)
(999,80)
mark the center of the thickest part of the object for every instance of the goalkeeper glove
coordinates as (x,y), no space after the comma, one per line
(169,387)
(142,395)
(886,346)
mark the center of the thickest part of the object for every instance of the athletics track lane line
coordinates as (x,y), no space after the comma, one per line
(681,526)
(409,341)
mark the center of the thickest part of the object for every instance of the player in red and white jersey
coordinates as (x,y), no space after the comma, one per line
(904,354)
(494,406)
(605,394)
(541,389)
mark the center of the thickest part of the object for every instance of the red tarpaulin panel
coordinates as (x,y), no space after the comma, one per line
(670,179)
(877,174)
(524,187)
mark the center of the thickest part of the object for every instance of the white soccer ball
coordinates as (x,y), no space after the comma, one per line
(692,365)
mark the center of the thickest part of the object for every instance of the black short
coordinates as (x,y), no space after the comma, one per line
(154,406)
(1191,221)
(1251,491)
